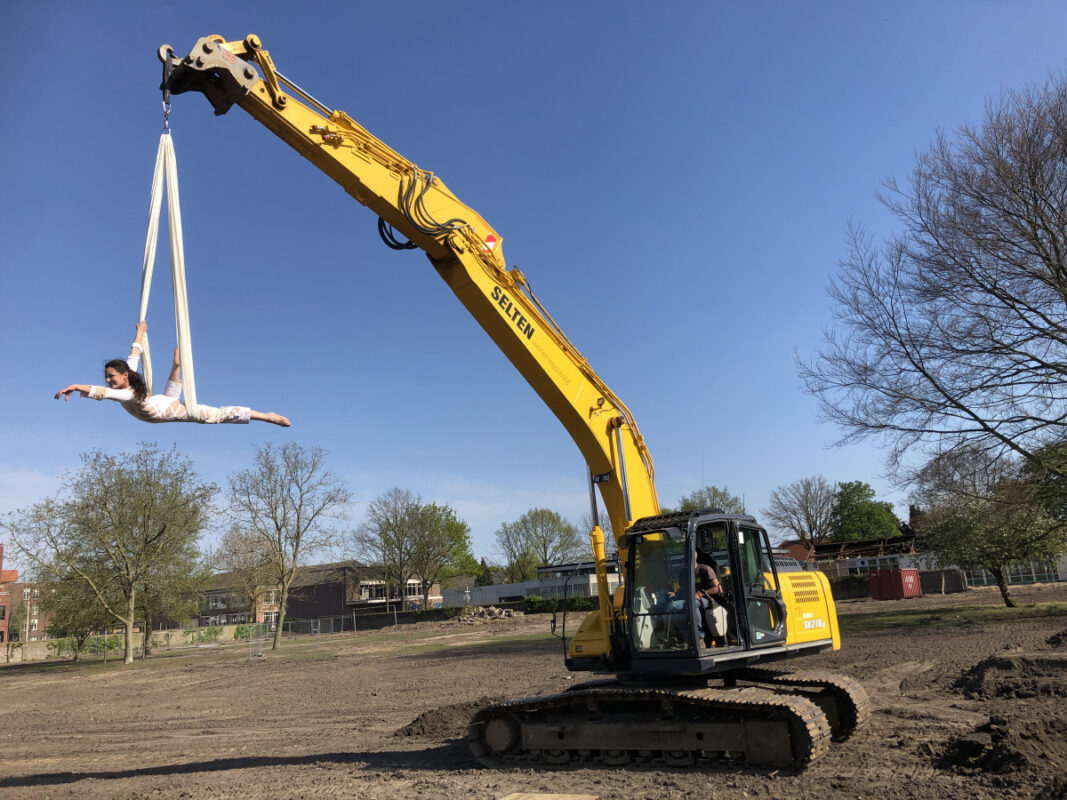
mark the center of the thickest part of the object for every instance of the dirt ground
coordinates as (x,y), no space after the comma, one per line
(968,711)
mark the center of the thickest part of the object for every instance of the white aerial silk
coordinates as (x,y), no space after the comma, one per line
(166,164)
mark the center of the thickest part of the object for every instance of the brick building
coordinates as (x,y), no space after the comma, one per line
(323,590)
(7,578)
(13,592)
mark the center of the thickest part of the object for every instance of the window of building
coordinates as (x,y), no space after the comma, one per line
(1032,571)
(34,612)
(413,589)
(3,612)
(36,593)
(33,624)
(26,594)
(372,591)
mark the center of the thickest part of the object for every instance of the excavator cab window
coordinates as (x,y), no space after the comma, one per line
(764,608)
(659,605)
(713,549)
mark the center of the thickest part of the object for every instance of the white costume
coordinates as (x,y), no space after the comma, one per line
(166,407)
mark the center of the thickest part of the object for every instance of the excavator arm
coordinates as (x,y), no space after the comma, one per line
(416,209)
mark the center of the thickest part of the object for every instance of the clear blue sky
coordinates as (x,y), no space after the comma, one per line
(674,179)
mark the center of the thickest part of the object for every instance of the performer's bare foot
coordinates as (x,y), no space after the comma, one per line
(270,416)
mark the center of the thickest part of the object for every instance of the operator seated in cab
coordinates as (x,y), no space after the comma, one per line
(714,620)
(710,605)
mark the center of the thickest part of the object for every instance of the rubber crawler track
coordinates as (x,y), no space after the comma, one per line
(809,736)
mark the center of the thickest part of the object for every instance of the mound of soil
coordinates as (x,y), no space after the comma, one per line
(1056,789)
(444,722)
(1005,745)
(1017,675)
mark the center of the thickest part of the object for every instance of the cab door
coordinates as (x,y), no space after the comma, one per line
(764,611)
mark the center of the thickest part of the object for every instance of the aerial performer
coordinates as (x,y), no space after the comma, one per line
(126,385)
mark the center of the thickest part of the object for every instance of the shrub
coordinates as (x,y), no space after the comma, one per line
(103,644)
(249,630)
(211,633)
(58,648)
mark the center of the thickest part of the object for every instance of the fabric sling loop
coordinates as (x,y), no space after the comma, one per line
(167,167)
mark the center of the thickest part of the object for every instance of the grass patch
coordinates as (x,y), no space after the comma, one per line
(903,621)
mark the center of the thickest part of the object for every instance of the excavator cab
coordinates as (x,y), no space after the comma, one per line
(674,623)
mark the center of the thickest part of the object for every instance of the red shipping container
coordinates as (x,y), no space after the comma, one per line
(910,585)
(895,584)
(875,577)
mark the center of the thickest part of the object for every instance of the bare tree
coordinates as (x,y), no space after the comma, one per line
(585,525)
(122,525)
(243,555)
(286,500)
(803,508)
(954,331)
(388,535)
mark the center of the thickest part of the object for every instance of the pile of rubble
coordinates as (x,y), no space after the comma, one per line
(472,615)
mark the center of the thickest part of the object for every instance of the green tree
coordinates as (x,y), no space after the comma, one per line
(857,515)
(173,592)
(980,513)
(441,544)
(16,622)
(712,497)
(539,537)
(120,522)
(286,500)
(484,576)
(73,610)
(951,332)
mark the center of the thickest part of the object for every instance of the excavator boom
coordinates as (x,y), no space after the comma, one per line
(464,249)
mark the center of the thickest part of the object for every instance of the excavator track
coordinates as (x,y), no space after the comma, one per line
(843,700)
(615,724)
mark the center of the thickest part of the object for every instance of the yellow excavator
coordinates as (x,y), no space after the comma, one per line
(683,664)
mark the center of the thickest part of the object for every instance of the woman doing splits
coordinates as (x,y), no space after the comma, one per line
(125,384)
